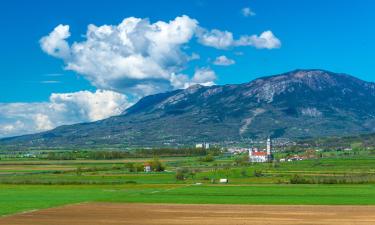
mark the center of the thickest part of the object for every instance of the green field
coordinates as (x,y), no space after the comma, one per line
(30,184)
(18,198)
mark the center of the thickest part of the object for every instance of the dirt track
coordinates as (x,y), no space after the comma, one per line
(165,214)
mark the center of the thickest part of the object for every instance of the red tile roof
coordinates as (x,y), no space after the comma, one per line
(259,153)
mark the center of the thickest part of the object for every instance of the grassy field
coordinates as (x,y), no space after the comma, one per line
(19,198)
(35,184)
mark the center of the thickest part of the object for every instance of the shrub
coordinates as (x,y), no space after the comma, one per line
(296,179)
(130,182)
(258,173)
(275,164)
(182,173)
(241,160)
(135,167)
(117,167)
(207,158)
(157,166)
(79,171)
(244,172)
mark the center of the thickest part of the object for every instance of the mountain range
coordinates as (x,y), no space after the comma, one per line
(296,104)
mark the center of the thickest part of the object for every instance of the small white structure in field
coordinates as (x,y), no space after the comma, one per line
(223,181)
(206,145)
(295,158)
(147,167)
(200,145)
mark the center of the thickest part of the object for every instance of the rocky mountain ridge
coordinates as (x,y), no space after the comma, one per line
(300,103)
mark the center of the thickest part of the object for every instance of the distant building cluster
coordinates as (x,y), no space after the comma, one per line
(293,158)
(203,145)
(261,156)
(237,151)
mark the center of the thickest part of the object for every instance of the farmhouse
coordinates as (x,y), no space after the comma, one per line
(261,156)
(147,167)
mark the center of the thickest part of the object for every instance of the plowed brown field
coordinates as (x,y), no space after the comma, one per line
(165,214)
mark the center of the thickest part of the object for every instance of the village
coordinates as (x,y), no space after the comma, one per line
(263,154)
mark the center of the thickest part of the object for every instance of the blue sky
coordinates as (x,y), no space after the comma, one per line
(336,35)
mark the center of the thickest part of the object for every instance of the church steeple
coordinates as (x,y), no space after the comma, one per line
(269,146)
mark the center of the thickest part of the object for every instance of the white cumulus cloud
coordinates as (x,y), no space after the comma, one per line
(223,61)
(90,106)
(204,76)
(55,43)
(135,57)
(61,109)
(224,40)
(246,12)
(42,122)
(215,38)
(265,40)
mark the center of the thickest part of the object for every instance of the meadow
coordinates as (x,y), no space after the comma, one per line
(20,198)
(30,184)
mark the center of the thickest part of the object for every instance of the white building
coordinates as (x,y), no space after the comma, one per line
(200,145)
(223,181)
(204,145)
(257,156)
(147,167)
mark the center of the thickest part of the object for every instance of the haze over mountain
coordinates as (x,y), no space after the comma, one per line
(300,103)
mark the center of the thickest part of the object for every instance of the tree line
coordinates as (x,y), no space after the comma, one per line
(139,153)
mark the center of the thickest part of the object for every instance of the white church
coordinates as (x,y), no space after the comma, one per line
(261,156)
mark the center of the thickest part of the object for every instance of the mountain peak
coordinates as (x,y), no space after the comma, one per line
(305,74)
(302,73)
(312,78)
